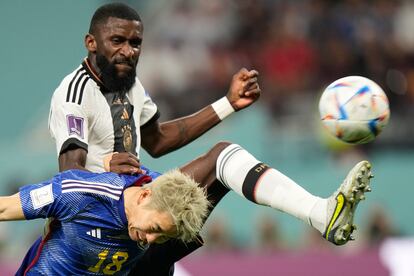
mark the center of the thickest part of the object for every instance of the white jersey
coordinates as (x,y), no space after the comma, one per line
(84,114)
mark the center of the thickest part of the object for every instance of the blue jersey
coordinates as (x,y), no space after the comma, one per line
(87,233)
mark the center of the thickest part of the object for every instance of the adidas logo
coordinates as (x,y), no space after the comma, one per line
(96,233)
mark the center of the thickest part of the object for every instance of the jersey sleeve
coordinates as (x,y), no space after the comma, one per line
(149,111)
(68,122)
(45,200)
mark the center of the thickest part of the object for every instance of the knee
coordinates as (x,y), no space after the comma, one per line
(220,146)
(215,151)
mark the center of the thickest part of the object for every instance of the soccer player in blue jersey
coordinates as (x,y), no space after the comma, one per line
(97,217)
(101,224)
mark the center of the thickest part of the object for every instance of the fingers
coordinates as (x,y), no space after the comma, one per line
(244,89)
(125,158)
(124,162)
(245,74)
(253,73)
(253,91)
(250,86)
(251,82)
(125,169)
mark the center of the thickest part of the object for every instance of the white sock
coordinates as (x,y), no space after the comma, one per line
(239,171)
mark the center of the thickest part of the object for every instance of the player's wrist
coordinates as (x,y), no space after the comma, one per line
(223,107)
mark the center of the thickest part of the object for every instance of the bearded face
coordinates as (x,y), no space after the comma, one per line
(118,74)
(116,45)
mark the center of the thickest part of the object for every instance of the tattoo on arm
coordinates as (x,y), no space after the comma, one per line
(182,130)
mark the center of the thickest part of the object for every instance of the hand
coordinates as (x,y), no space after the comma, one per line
(122,162)
(244,89)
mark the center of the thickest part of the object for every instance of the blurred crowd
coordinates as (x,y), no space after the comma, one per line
(193,48)
(269,236)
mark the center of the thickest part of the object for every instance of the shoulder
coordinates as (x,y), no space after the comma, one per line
(105,177)
(108,183)
(142,101)
(75,88)
(137,90)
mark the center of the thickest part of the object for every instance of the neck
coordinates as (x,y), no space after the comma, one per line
(91,63)
(131,196)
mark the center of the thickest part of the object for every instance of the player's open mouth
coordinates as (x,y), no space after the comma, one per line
(140,236)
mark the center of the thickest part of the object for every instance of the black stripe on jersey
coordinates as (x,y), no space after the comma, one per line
(82,88)
(71,83)
(92,75)
(71,144)
(251,180)
(75,90)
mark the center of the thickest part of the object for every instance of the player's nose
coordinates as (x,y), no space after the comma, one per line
(127,50)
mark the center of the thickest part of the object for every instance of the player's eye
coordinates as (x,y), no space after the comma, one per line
(117,40)
(136,43)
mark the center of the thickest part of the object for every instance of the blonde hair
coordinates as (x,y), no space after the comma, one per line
(179,195)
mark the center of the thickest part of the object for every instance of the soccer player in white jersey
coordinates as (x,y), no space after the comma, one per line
(102,108)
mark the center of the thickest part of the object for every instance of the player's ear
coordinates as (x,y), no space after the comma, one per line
(90,43)
(144,195)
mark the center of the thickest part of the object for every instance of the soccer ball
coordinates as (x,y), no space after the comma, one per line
(354,109)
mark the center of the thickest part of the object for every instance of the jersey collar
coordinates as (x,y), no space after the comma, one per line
(86,64)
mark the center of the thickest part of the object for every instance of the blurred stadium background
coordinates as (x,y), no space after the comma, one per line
(191,49)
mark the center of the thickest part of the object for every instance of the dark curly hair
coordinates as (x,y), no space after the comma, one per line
(117,10)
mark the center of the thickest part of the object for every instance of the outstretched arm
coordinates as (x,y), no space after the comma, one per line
(161,138)
(11,208)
